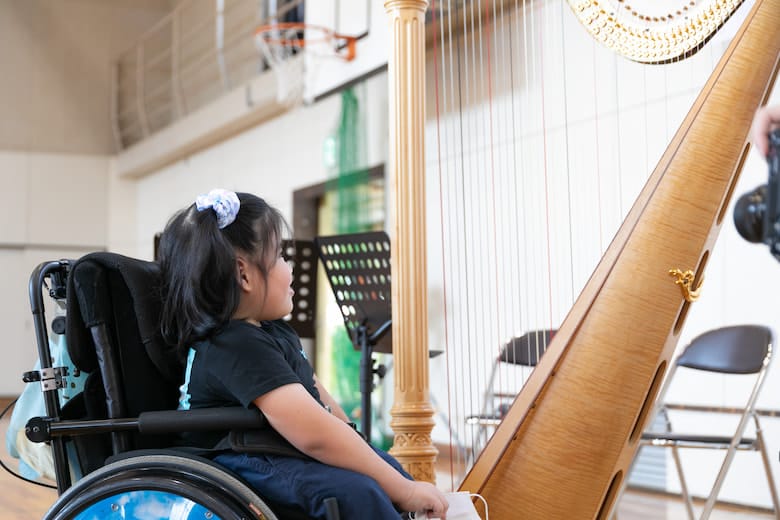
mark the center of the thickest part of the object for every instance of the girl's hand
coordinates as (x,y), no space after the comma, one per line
(425,497)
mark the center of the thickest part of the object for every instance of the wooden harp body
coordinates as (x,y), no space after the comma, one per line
(565,446)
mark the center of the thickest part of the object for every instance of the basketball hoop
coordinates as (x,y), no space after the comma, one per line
(323,41)
(281,43)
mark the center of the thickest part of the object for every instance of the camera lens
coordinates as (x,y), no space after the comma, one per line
(749,214)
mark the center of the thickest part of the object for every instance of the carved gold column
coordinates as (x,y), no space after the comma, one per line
(412,413)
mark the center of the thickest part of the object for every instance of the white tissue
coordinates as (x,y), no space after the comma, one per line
(461,508)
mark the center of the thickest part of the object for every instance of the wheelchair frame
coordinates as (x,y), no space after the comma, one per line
(169,473)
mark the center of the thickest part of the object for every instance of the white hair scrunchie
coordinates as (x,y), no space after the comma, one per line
(224,203)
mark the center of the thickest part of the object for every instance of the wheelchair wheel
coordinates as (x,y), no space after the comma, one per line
(159,487)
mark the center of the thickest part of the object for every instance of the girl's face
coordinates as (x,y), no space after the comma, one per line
(278,291)
(264,299)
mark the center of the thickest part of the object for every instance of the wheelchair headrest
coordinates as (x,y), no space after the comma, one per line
(92,293)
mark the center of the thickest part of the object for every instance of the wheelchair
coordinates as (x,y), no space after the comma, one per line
(120,436)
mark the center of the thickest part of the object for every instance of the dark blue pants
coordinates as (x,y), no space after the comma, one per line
(307,483)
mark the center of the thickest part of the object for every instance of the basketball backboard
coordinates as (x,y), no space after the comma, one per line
(364,19)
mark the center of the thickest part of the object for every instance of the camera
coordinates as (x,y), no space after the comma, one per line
(757,212)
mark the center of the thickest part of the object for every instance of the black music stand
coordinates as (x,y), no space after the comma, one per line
(358,269)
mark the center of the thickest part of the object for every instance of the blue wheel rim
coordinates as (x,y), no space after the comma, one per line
(146,505)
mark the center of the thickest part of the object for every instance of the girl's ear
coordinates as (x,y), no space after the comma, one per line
(242,268)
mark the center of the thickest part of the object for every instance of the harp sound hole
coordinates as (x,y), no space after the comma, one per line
(649,402)
(681,317)
(609,498)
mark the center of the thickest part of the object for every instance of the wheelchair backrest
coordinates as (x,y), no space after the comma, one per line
(113,333)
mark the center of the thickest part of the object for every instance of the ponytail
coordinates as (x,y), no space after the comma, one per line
(198,264)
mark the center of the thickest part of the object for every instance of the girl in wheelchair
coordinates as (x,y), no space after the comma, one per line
(226,288)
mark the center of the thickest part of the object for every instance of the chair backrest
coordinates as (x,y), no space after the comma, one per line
(113,333)
(527,349)
(519,352)
(737,349)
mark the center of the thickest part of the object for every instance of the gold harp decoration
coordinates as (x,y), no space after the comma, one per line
(685,280)
(653,32)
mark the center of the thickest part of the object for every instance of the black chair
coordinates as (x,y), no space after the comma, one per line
(741,351)
(521,351)
(123,430)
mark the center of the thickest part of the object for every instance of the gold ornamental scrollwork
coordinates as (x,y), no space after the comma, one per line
(425,471)
(685,280)
(649,31)
(412,439)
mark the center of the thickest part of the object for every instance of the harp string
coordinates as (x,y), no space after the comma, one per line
(566,152)
(441,97)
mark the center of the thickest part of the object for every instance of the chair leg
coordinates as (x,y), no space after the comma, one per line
(710,504)
(732,450)
(767,468)
(683,484)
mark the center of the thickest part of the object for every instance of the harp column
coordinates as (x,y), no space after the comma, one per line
(412,412)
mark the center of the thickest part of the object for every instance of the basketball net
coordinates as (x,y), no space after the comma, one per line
(295,51)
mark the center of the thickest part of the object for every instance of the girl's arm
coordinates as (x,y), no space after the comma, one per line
(329,401)
(292,412)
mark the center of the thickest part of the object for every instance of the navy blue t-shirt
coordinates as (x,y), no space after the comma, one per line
(240,363)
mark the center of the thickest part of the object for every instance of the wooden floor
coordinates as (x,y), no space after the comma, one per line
(637,505)
(20,500)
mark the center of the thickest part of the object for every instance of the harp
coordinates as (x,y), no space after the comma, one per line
(565,445)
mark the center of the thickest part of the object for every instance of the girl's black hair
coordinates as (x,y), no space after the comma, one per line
(199,270)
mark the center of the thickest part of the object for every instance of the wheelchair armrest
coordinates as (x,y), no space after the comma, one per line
(43,429)
(202,419)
